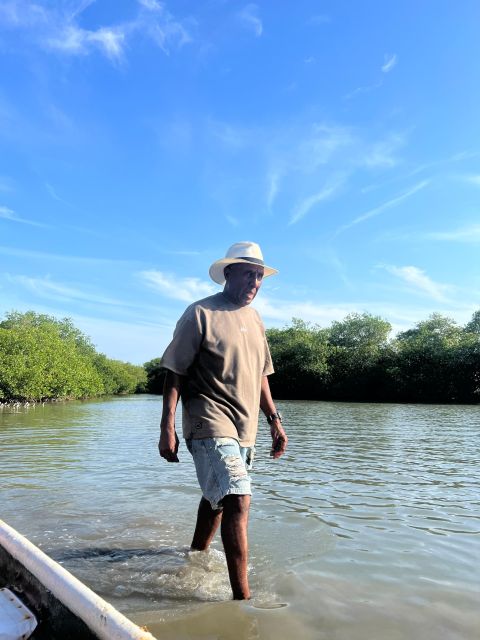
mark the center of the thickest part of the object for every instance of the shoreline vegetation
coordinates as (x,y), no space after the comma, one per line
(355,360)
(43,359)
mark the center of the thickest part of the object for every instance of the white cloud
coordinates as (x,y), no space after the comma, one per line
(308,203)
(232,220)
(47,288)
(110,40)
(325,140)
(51,190)
(249,17)
(277,312)
(382,153)
(151,5)
(421,283)
(295,159)
(303,151)
(57,28)
(8,214)
(473,179)
(273,185)
(42,256)
(18,13)
(363,89)
(389,62)
(282,311)
(171,286)
(469,234)
(386,205)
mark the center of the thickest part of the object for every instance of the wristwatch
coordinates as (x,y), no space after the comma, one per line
(275,416)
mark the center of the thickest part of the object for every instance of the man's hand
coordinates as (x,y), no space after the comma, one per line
(168,445)
(279,439)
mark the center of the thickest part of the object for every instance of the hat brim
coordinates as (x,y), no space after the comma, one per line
(216,270)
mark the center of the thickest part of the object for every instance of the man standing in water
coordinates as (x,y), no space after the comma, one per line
(218,362)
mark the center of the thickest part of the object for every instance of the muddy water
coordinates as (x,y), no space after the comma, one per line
(368,528)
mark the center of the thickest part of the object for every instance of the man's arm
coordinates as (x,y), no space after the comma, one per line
(168,444)
(279,437)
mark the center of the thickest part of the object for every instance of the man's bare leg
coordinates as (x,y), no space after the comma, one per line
(235,542)
(208,520)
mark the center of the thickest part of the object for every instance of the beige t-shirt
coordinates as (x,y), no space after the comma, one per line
(222,351)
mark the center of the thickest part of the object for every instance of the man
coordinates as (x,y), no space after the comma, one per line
(218,362)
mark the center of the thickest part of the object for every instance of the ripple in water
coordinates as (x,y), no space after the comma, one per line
(174,573)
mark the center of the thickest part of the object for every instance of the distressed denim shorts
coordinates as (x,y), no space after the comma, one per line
(222,467)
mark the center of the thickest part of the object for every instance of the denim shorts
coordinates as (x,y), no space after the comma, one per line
(222,467)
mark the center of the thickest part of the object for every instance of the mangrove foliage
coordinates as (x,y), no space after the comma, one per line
(436,361)
(42,358)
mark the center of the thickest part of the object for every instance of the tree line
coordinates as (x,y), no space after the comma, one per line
(42,358)
(356,360)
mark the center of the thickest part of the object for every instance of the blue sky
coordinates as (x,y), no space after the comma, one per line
(139,139)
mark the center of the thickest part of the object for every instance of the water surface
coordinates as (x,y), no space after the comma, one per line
(369,527)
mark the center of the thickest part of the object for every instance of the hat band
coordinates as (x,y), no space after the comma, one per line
(254,260)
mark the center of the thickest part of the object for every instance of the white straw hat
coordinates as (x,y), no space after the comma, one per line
(240,252)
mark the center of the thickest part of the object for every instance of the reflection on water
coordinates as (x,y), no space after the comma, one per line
(369,527)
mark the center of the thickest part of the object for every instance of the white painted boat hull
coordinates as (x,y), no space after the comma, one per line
(101,619)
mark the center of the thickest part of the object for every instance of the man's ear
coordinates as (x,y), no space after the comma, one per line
(226,272)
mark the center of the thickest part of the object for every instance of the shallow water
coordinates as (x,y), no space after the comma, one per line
(368,528)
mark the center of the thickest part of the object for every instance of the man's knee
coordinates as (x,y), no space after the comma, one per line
(236,504)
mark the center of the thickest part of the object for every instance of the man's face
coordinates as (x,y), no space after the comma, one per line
(243,282)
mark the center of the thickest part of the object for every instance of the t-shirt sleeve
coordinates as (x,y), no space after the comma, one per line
(186,342)
(268,366)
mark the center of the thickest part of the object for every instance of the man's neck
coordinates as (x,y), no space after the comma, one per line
(231,298)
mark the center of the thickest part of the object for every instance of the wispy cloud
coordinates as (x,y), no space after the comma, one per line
(420,282)
(250,18)
(385,206)
(363,89)
(389,62)
(8,214)
(171,286)
(21,13)
(51,190)
(232,137)
(232,220)
(472,179)
(74,40)
(383,153)
(308,203)
(308,148)
(470,234)
(299,159)
(273,180)
(47,288)
(57,28)
(41,256)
